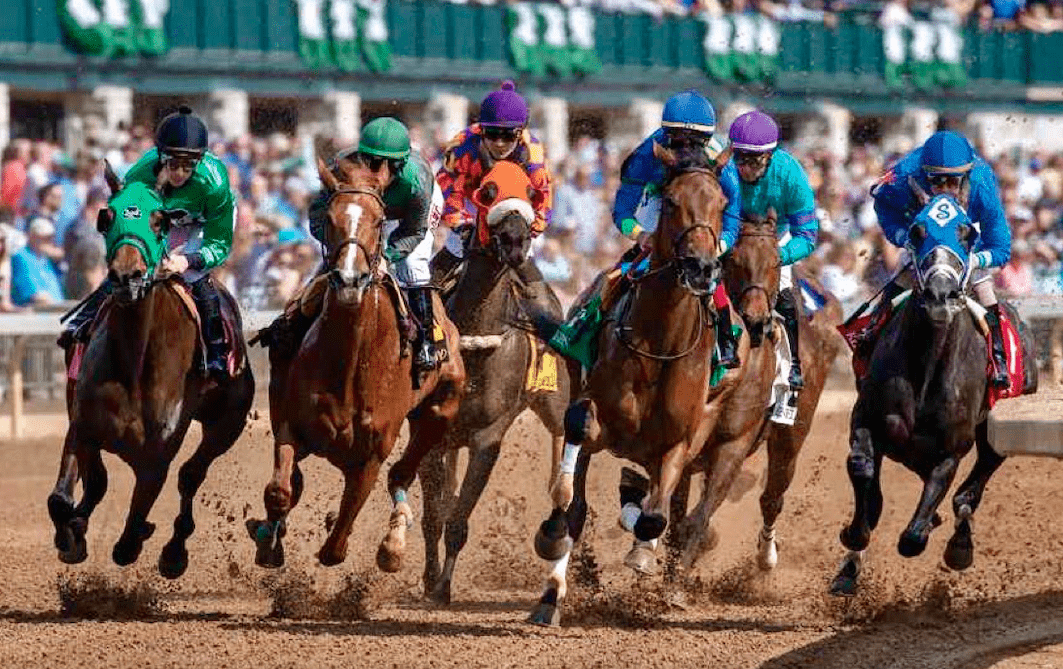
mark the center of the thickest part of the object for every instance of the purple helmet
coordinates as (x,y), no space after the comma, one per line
(755,132)
(504,108)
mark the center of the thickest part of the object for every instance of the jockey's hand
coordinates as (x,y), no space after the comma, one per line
(644,240)
(392,254)
(175,264)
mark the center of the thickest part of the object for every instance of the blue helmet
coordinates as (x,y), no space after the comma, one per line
(689,110)
(947,152)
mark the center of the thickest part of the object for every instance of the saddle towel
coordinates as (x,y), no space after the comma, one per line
(782,401)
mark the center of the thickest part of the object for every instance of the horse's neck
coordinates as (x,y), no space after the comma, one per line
(931,346)
(481,297)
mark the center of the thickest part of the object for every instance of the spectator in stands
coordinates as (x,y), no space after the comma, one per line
(35,278)
(6,230)
(1016,277)
(84,250)
(578,212)
(50,202)
(13,164)
(38,174)
(1038,17)
(1000,13)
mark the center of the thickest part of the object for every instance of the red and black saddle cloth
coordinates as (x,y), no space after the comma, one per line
(1015,356)
(236,356)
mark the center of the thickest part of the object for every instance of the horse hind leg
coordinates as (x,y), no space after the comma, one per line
(914,538)
(437,490)
(959,553)
(218,438)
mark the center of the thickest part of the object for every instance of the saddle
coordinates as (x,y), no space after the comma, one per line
(236,356)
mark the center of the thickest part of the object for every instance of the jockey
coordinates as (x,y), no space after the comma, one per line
(688,122)
(500,134)
(948,164)
(190,179)
(772,178)
(413,203)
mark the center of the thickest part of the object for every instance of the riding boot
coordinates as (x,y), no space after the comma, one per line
(77,329)
(285,334)
(787,308)
(444,265)
(420,299)
(726,342)
(1000,377)
(208,302)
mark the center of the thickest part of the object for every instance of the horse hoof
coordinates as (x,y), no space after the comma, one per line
(60,509)
(911,544)
(71,545)
(650,526)
(642,560)
(767,555)
(843,585)
(269,551)
(126,552)
(545,615)
(173,561)
(440,594)
(330,558)
(549,548)
(387,559)
(959,553)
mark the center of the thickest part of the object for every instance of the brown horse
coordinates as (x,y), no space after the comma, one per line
(348,389)
(752,276)
(645,397)
(497,357)
(138,388)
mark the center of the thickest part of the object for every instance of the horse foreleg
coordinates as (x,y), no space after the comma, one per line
(548,610)
(218,437)
(862,466)
(959,554)
(845,581)
(358,481)
(481,463)
(71,523)
(783,447)
(437,490)
(553,539)
(913,539)
(281,494)
(149,482)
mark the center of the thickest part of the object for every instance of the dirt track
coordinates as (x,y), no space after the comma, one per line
(1004,612)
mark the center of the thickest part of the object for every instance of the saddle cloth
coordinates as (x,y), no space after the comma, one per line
(235,353)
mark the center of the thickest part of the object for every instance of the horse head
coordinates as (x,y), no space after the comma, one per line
(506,213)
(355,226)
(941,239)
(752,273)
(134,225)
(693,202)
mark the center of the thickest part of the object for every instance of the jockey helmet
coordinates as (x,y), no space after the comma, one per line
(182,133)
(947,152)
(689,110)
(754,132)
(385,137)
(504,108)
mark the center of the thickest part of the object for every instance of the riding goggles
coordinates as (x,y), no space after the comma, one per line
(946,180)
(178,161)
(374,162)
(501,134)
(681,138)
(752,158)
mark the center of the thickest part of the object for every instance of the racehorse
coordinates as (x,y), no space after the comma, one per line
(923,401)
(346,392)
(644,398)
(138,387)
(500,363)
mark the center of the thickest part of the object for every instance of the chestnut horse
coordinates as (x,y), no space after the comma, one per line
(751,275)
(346,392)
(645,398)
(497,356)
(138,388)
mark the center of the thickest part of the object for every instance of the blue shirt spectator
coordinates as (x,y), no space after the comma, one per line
(34,277)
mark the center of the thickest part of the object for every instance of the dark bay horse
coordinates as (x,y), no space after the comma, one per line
(139,387)
(923,402)
(645,397)
(497,357)
(346,392)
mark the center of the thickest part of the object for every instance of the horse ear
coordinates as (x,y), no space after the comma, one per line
(486,194)
(917,235)
(160,222)
(328,179)
(665,155)
(920,194)
(104,220)
(113,182)
(722,159)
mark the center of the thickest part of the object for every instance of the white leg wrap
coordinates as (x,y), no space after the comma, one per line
(629,515)
(558,571)
(568,460)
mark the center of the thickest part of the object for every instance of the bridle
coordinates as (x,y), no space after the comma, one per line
(371,258)
(754,287)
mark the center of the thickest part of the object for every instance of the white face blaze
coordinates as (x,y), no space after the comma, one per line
(354,214)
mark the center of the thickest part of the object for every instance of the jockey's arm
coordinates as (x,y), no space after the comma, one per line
(803,226)
(453,186)
(732,213)
(994,243)
(543,199)
(892,215)
(415,220)
(634,178)
(220,213)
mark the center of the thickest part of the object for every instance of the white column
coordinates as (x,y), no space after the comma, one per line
(445,115)
(839,121)
(335,116)
(641,119)
(96,116)
(549,118)
(5,114)
(913,127)
(228,114)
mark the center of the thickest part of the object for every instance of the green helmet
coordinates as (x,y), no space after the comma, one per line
(385,137)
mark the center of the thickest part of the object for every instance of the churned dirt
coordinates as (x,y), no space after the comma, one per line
(1006,611)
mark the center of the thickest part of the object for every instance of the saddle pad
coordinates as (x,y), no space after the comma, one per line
(542,368)
(1013,353)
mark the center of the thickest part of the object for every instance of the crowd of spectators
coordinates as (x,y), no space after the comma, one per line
(50,250)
